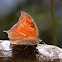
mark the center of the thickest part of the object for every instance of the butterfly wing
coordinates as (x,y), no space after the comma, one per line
(26,41)
(24,28)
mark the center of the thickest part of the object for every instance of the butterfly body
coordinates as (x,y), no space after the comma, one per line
(24,32)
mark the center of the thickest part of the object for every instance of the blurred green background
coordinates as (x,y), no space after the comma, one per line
(47,15)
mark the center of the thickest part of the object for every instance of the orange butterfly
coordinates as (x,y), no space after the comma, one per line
(24,32)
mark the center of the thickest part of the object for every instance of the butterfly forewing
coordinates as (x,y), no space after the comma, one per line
(24,28)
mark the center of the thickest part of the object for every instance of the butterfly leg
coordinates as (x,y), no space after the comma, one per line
(25,47)
(42,41)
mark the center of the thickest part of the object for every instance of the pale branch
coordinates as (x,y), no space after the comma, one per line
(48,53)
(45,53)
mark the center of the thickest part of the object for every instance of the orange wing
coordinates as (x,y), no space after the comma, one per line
(24,28)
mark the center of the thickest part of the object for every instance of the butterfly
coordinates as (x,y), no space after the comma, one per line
(24,32)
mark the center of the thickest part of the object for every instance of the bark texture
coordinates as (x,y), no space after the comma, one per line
(48,53)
